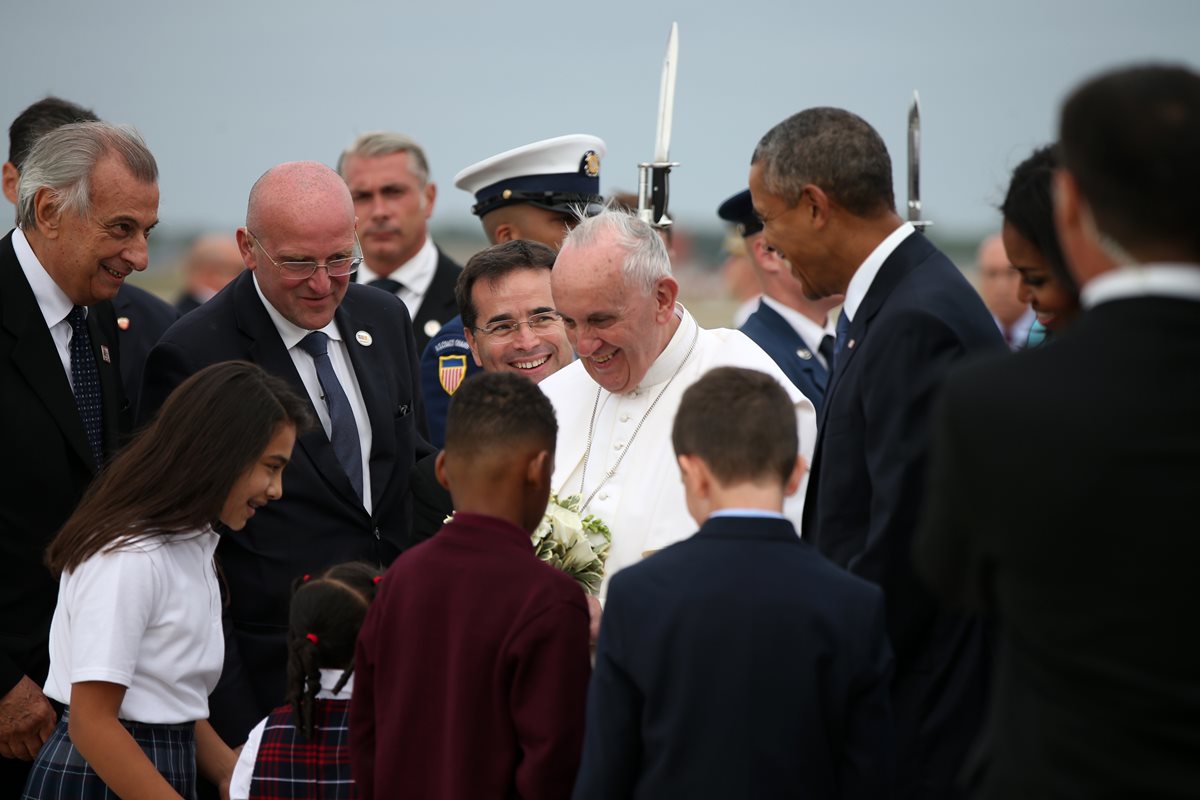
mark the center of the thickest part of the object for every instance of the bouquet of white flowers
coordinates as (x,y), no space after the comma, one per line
(576,544)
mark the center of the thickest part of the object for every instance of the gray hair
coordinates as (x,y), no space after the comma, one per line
(646,260)
(833,149)
(63,159)
(384,143)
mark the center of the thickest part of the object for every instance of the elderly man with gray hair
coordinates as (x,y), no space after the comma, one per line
(638,350)
(388,177)
(86,201)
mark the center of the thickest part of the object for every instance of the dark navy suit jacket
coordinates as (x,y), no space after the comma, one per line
(1063,499)
(919,317)
(739,663)
(438,305)
(49,466)
(142,319)
(779,339)
(320,521)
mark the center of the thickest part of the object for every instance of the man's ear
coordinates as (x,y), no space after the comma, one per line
(767,258)
(11,176)
(439,470)
(246,247)
(47,212)
(472,342)
(1077,233)
(429,194)
(665,293)
(539,468)
(695,474)
(820,205)
(798,472)
(506,232)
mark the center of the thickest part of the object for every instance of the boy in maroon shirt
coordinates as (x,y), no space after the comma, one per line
(472,666)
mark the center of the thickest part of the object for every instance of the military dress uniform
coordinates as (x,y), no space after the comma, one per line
(560,174)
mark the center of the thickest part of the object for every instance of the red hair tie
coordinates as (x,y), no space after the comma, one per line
(305,578)
(312,637)
(377,579)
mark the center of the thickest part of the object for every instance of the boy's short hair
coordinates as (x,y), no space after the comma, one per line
(741,423)
(496,409)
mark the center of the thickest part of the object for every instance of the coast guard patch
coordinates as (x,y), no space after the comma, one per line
(451,371)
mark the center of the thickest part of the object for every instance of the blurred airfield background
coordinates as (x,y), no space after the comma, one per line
(223,90)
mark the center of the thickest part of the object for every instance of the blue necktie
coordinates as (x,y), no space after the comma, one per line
(843,333)
(85,380)
(389,285)
(826,351)
(344,436)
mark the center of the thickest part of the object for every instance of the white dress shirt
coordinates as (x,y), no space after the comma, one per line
(52,301)
(1180,281)
(146,616)
(414,275)
(810,332)
(291,334)
(860,284)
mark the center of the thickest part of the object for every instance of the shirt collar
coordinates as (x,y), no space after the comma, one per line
(51,299)
(289,332)
(672,356)
(861,282)
(329,679)
(758,513)
(1181,281)
(805,328)
(415,274)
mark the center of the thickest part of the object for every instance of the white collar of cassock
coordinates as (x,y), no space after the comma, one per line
(675,352)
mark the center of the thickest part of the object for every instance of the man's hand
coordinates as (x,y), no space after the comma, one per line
(26,720)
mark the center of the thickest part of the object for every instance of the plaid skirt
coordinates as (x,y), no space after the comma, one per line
(60,771)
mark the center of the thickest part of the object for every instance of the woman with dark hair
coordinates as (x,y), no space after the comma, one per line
(1032,242)
(302,749)
(136,642)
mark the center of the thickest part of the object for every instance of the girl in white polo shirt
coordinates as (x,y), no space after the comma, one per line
(136,643)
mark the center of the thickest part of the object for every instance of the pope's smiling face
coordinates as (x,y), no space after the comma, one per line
(618,327)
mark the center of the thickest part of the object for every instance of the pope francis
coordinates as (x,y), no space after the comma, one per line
(638,350)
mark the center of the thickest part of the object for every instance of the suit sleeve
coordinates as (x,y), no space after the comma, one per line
(167,366)
(867,766)
(906,370)
(548,697)
(948,552)
(612,744)
(446,344)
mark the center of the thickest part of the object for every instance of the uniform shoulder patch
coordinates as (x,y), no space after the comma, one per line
(451,371)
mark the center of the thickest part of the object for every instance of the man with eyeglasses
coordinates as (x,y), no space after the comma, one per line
(349,348)
(511,325)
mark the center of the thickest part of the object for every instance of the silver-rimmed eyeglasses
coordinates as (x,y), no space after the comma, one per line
(302,270)
(506,329)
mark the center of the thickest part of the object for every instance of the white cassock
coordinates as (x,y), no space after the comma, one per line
(643,502)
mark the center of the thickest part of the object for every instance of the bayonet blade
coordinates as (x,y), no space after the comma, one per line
(666,96)
(914,159)
(914,163)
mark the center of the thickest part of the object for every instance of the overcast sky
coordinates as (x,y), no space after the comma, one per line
(223,90)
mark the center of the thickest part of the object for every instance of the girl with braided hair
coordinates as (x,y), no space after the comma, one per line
(301,750)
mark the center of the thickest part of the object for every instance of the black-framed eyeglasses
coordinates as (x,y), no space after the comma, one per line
(506,329)
(302,270)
